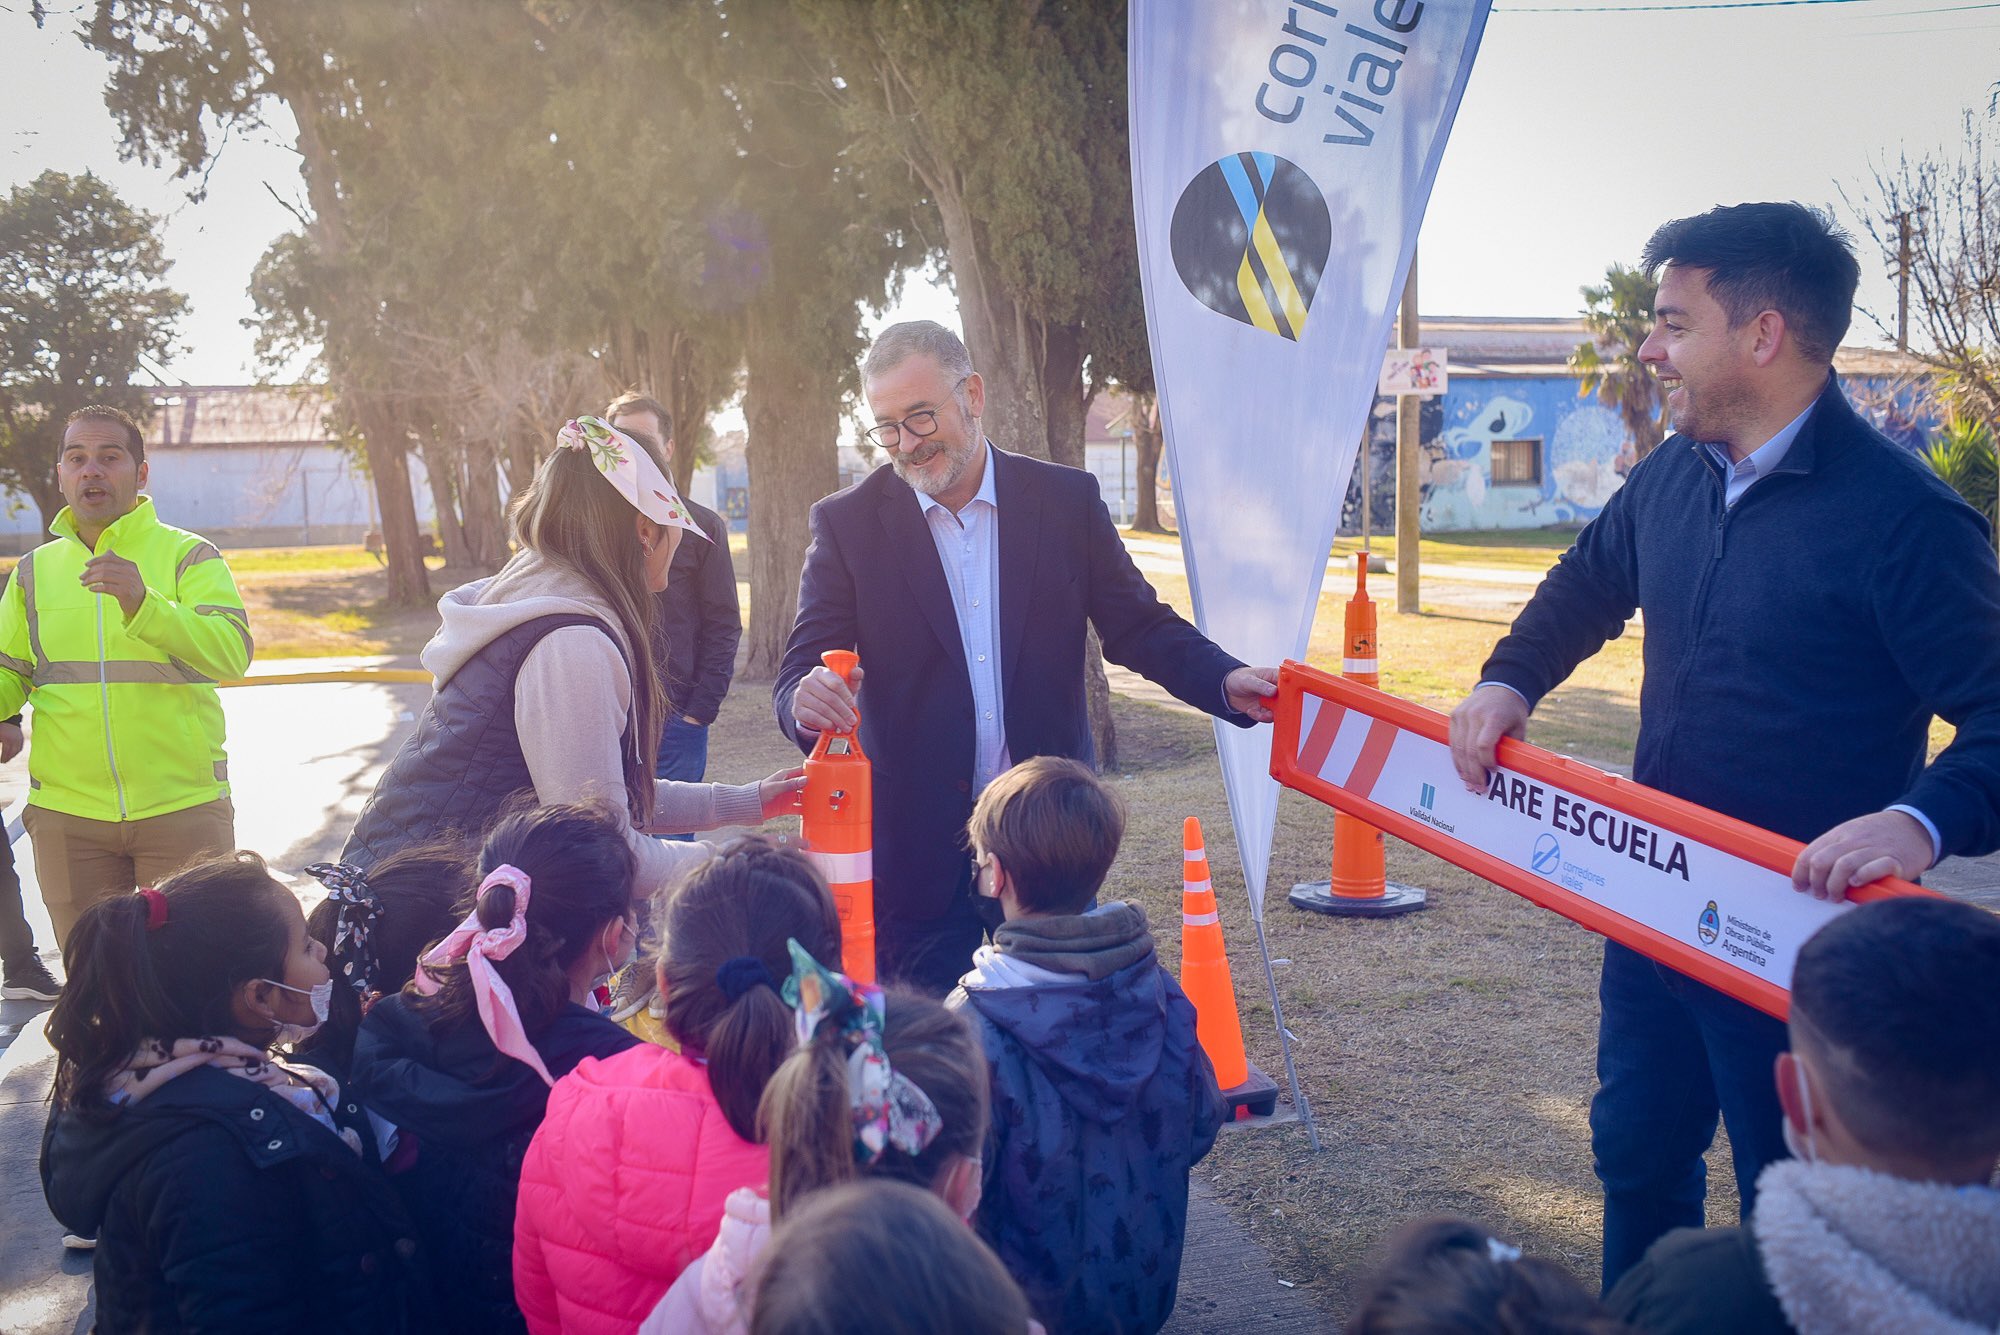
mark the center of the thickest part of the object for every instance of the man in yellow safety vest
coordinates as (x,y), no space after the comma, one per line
(115,634)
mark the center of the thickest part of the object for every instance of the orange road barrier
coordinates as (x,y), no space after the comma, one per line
(838,825)
(1359,886)
(1693,889)
(1205,979)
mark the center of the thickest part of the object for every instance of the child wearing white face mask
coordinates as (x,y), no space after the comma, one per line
(462,1060)
(224,1185)
(1887,1218)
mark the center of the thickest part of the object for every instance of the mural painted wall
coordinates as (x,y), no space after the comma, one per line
(1527,452)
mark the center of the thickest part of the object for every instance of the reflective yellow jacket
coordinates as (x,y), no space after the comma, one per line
(127,724)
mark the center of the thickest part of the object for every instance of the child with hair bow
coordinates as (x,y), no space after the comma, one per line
(599,1236)
(463,1058)
(884,1085)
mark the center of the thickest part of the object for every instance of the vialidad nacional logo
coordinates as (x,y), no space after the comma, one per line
(1251,235)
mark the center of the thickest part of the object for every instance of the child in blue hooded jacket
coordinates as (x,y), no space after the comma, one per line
(1102,1098)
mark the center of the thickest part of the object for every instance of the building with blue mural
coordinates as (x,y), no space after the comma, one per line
(1513,444)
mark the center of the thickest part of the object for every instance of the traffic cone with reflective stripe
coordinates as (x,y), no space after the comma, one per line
(1205,979)
(1359,884)
(838,825)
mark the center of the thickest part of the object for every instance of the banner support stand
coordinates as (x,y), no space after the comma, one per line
(1285,1035)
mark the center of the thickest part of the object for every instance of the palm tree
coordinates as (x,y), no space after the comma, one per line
(1962,455)
(1619,315)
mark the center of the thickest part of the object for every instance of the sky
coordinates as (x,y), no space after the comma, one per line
(1579,133)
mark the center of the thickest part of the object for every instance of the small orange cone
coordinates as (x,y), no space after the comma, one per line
(1359,885)
(1205,979)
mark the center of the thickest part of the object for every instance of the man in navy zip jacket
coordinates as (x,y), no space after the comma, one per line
(1812,595)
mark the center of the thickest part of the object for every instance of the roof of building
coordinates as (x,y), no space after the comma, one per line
(1509,345)
(239,416)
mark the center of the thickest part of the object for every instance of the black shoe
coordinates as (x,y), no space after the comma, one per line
(29,980)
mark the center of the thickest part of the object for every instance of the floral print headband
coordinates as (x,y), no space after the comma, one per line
(887,1106)
(353,950)
(630,469)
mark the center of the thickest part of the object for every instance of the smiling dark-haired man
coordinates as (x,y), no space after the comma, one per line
(115,633)
(1812,596)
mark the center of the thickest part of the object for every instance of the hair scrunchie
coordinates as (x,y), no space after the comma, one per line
(888,1108)
(353,949)
(156,907)
(740,975)
(480,947)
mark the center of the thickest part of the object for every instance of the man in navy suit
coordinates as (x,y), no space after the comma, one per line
(964,577)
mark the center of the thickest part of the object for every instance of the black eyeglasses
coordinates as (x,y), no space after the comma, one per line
(921,424)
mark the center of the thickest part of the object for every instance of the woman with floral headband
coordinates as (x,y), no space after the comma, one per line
(546,674)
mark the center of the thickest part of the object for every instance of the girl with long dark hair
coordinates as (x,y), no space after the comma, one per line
(227,1189)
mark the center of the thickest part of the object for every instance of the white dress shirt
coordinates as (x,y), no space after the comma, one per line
(968,546)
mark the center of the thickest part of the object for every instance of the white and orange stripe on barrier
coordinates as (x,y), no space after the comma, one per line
(1701,892)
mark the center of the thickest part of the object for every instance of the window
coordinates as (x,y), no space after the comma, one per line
(1517,463)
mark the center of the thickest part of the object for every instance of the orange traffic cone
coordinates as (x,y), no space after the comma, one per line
(1205,979)
(1359,886)
(838,826)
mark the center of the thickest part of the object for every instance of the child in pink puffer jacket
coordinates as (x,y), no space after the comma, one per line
(888,1085)
(625,1182)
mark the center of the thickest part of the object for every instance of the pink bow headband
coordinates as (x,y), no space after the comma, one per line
(479,947)
(629,468)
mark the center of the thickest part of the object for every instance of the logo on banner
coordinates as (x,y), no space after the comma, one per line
(1710,925)
(1428,796)
(1547,856)
(1250,237)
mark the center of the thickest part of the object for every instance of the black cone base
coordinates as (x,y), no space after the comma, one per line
(1396,898)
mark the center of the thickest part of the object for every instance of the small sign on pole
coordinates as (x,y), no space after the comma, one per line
(1419,371)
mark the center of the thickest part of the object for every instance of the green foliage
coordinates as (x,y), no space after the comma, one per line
(1619,315)
(81,301)
(1962,455)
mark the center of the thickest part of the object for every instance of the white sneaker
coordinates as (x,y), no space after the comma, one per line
(77,1243)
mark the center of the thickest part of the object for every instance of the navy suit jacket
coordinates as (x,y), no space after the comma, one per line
(873,583)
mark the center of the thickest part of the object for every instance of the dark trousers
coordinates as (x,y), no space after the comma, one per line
(17,939)
(683,756)
(931,956)
(1672,1054)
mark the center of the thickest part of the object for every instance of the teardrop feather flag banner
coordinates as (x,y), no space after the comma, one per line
(1282,155)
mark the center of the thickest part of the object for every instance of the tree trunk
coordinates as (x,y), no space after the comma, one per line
(792,411)
(1148,444)
(1065,405)
(485,526)
(998,336)
(403,557)
(441,469)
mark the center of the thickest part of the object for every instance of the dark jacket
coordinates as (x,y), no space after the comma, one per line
(456,771)
(472,1112)
(1102,1102)
(1797,644)
(700,620)
(873,583)
(217,1206)
(1700,1281)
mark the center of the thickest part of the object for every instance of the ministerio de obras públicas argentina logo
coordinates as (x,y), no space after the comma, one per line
(1251,235)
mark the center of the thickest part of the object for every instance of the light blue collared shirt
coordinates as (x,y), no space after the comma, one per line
(968,546)
(1740,474)
(1759,462)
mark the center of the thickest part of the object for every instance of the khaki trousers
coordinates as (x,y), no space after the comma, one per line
(79,861)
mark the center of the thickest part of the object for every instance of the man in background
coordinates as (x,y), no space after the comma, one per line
(700,618)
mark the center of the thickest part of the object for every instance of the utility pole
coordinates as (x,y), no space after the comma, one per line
(1408,424)
(1903,282)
